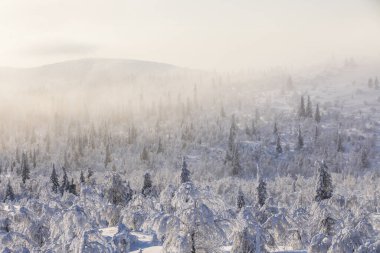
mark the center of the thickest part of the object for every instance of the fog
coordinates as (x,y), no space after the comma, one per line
(212,34)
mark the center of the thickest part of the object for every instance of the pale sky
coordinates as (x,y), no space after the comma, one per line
(205,34)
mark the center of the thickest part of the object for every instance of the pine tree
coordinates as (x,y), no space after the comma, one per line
(107,159)
(72,187)
(144,155)
(185,173)
(300,139)
(377,86)
(240,200)
(339,144)
(262,192)
(147,187)
(90,173)
(301,110)
(160,148)
(231,141)
(309,109)
(17,155)
(34,159)
(316,134)
(275,130)
(324,187)
(236,167)
(54,180)
(25,168)
(278,145)
(9,194)
(317,115)
(65,182)
(82,179)
(253,131)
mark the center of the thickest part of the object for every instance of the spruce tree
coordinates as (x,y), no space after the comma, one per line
(72,187)
(301,109)
(90,173)
(377,85)
(370,83)
(231,141)
(275,130)
(339,144)
(262,192)
(107,158)
(25,168)
(185,173)
(324,187)
(147,187)
(317,115)
(278,145)
(240,200)
(144,155)
(9,194)
(300,139)
(82,179)
(236,167)
(65,185)
(54,180)
(309,109)
(34,159)
(160,148)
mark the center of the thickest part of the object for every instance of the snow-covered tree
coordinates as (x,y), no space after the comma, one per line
(9,194)
(240,202)
(185,173)
(299,139)
(82,179)
(278,145)
(147,186)
(262,192)
(309,108)
(107,158)
(144,155)
(317,114)
(54,180)
(324,187)
(25,173)
(118,192)
(301,109)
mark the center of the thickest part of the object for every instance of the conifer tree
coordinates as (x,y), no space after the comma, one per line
(309,109)
(34,159)
(9,194)
(275,130)
(262,192)
(236,167)
(240,200)
(147,187)
(340,144)
(316,134)
(324,187)
(377,85)
(25,168)
(90,173)
(72,187)
(185,173)
(301,110)
(65,181)
(54,180)
(278,145)
(231,141)
(160,148)
(300,139)
(144,155)
(82,179)
(107,159)
(317,115)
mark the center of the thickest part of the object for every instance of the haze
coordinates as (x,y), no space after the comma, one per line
(210,34)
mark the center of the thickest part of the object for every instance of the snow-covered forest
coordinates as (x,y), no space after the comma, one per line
(105,155)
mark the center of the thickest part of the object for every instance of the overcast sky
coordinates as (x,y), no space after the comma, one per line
(207,34)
